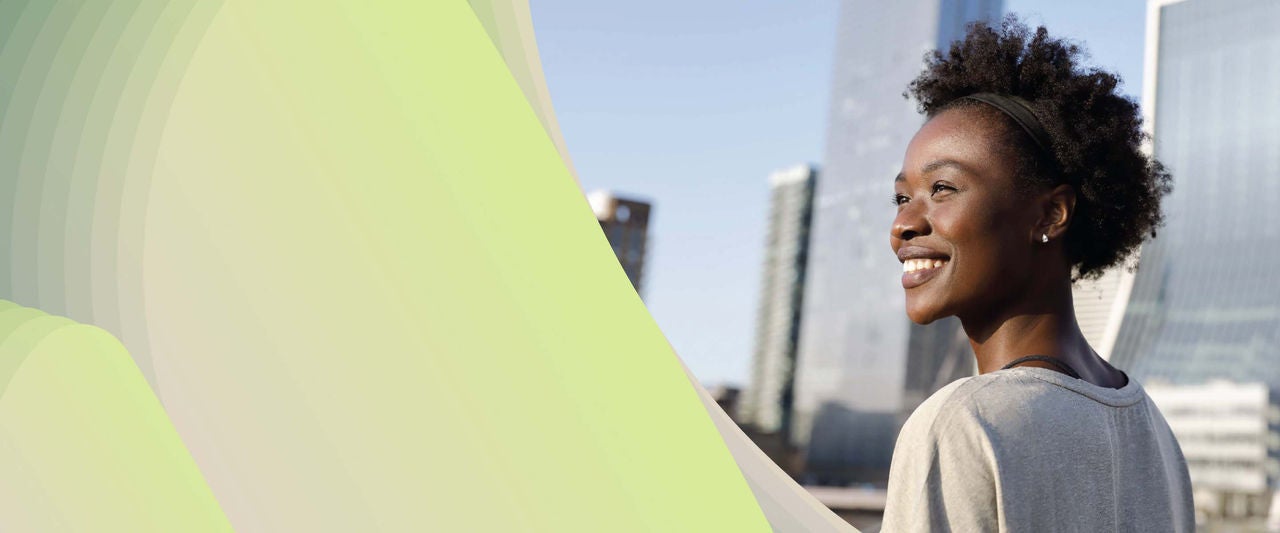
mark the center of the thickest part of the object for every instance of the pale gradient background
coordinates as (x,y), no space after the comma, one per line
(347,256)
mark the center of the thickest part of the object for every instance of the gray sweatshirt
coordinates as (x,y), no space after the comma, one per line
(1031,449)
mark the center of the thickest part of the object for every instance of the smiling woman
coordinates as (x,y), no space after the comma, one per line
(1027,176)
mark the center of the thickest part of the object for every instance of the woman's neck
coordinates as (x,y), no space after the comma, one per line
(1040,323)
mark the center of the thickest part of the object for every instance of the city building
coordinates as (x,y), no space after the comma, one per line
(1230,436)
(861,365)
(625,222)
(1100,305)
(1204,303)
(766,406)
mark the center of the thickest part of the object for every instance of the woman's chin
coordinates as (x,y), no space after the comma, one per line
(923,314)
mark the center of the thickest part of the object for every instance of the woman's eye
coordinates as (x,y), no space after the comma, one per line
(939,187)
(899,199)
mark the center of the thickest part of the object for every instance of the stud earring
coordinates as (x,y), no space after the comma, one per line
(1044,237)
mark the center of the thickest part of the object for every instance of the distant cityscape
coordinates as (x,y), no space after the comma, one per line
(837,367)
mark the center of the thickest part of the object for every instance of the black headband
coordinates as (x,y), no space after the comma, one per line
(1020,111)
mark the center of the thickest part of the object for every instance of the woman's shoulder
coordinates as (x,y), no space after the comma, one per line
(993,399)
(945,399)
(942,434)
(1019,401)
(956,403)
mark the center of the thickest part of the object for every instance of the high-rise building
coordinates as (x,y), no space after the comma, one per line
(767,403)
(1205,303)
(625,222)
(861,365)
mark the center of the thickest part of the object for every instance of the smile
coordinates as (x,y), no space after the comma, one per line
(916,272)
(915,265)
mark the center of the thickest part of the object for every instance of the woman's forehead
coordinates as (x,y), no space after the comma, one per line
(960,138)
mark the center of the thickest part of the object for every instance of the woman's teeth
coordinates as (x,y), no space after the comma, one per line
(912,265)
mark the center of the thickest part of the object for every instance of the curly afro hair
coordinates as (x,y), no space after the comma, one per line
(1095,132)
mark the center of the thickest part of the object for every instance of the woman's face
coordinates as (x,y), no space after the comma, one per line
(963,231)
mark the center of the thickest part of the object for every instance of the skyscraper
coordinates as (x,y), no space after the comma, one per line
(625,222)
(1205,301)
(767,404)
(861,364)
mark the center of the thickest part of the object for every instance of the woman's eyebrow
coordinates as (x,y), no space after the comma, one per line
(945,163)
(935,165)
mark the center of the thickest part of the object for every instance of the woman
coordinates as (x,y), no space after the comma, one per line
(1027,176)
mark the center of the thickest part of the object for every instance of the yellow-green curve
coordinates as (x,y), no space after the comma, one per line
(787,506)
(84,445)
(345,251)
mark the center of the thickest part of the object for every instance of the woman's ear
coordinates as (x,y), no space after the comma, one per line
(1058,206)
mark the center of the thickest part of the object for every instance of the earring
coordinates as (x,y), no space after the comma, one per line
(1044,237)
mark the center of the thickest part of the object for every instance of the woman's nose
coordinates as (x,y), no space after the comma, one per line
(910,222)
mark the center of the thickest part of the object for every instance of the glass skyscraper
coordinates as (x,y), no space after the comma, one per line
(861,365)
(1205,302)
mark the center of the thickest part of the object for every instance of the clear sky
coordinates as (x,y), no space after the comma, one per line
(692,104)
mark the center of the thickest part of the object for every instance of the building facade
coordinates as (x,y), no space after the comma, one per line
(1230,435)
(1100,306)
(1204,303)
(861,365)
(767,404)
(625,222)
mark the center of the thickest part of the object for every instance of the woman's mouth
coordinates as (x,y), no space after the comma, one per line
(916,272)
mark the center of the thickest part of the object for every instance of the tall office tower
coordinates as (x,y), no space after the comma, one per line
(861,365)
(767,404)
(1205,301)
(625,222)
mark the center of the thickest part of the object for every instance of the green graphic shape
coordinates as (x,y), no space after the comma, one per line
(84,444)
(341,242)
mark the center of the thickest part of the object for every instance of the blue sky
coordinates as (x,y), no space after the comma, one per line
(691,104)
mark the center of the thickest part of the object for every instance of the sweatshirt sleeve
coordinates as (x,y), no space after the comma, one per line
(942,477)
